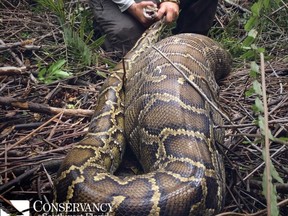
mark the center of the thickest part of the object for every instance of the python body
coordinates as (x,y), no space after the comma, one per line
(169,126)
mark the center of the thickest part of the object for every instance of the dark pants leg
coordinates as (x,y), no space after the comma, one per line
(121,29)
(196,16)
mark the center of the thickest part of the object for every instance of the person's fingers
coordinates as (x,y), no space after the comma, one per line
(147,3)
(168,9)
(161,12)
(171,15)
(136,10)
(169,18)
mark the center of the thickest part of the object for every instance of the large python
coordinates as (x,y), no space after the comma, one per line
(170,127)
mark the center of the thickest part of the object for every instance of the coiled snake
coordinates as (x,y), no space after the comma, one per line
(168,124)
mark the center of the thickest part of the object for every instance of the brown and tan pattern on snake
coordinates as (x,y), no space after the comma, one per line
(169,126)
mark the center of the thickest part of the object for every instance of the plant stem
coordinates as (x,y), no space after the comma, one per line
(266,130)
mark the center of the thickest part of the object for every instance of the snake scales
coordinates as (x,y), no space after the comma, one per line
(168,124)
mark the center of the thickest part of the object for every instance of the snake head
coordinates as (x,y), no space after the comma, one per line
(150,12)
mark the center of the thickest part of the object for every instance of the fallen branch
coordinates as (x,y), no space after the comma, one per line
(261,212)
(29,135)
(238,6)
(19,61)
(28,43)
(43,108)
(274,121)
(10,70)
(280,188)
(18,179)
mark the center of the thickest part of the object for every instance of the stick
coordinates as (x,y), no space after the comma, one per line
(10,70)
(238,6)
(5,46)
(43,108)
(29,135)
(267,144)
(261,212)
(19,62)
(19,178)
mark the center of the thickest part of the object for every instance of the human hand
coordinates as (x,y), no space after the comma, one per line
(168,9)
(136,9)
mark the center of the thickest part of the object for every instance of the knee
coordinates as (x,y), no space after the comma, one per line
(123,37)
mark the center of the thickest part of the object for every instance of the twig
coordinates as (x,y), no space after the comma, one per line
(10,70)
(274,121)
(238,6)
(278,150)
(42,108)
(282,203)
(28,43)
(19,62)
(18,179)
(266,131)
(280,188)
(280,8)
(30,134)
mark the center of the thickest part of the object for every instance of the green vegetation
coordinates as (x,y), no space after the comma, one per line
(255,26)
(264,25)
(249,32)
(53,72)
(77,30)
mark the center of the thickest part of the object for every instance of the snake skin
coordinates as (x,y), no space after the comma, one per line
(168,125)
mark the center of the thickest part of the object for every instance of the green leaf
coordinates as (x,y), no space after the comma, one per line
(283,139)
(252,34)
(42,73)
(257,87)
(61,74)
(253,74)
(54,72)
(102,74)
(254,46)
(275,174)
(273,194)
(266,3)
(48,80)
(261,50)
(249,54)
(97,43)
(254,69)
(256,8)
(82,28)
(247,42)
(56,66)
(261,124)
(258,106)
(273,198)
(89,37)
(249,92)
(250,23)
